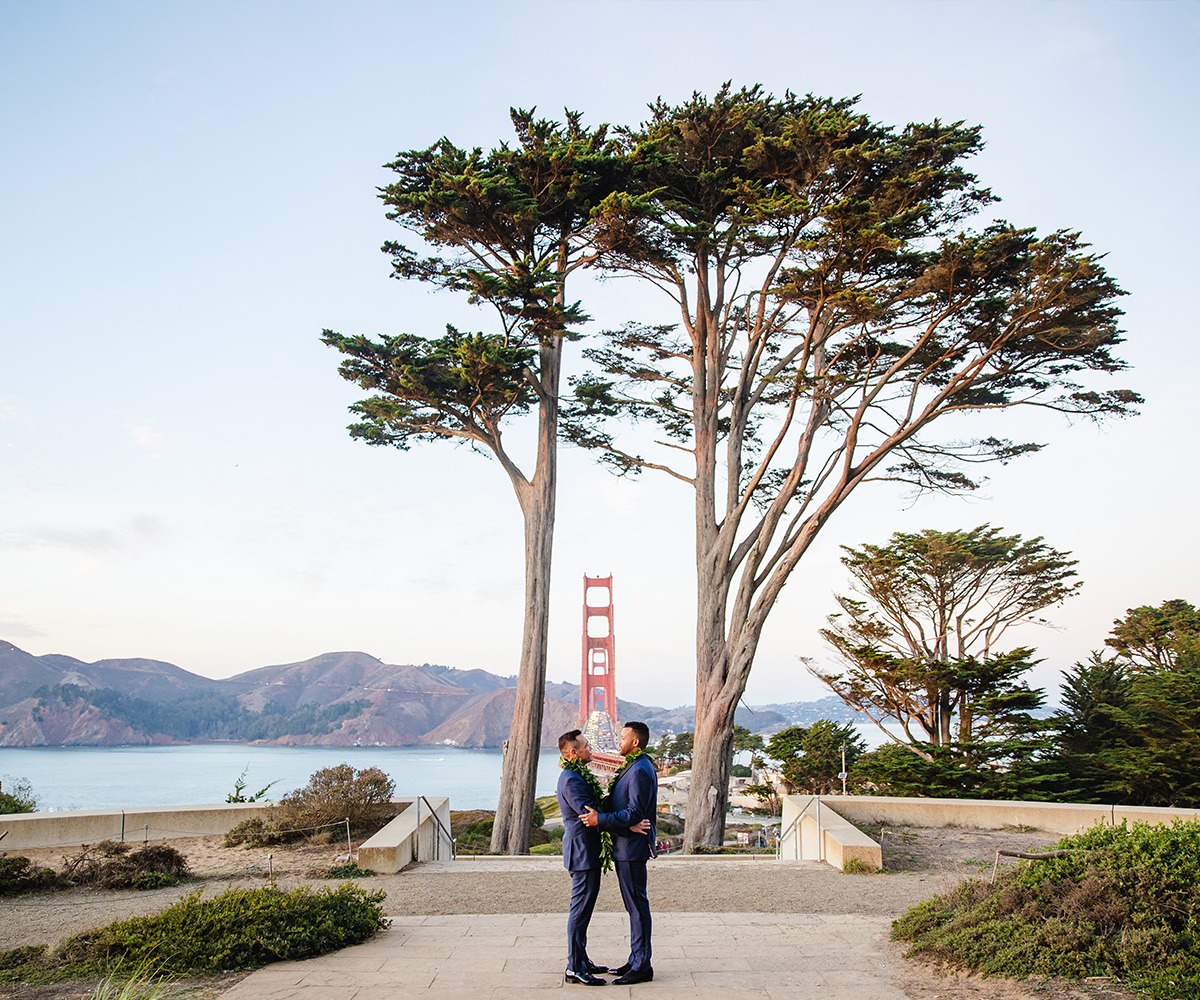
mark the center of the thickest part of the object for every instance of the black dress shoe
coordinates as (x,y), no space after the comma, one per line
(598,970)
(622,970)
(633,976)
(584,979)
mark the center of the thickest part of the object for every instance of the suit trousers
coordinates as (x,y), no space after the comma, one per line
(631,877)
(585,887)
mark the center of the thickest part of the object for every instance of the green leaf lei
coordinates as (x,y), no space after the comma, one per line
(599,801)
(601,798)
(612,782)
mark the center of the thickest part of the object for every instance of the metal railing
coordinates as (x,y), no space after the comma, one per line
(792,826)
(437,843)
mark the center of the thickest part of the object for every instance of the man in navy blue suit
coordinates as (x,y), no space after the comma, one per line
(633,798)
(581,855)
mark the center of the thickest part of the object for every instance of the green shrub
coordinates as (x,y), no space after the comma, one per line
(335,793)
(473,829)
(670,826)
(347,869)
(1124,903)
(18,875)
(30,954)
(476,838)
(18,798)
(239,789)
(332,795)
(240,929)
(263,831)
(481,829)
(538,818)
(856,866)
(553,847)
(111,865)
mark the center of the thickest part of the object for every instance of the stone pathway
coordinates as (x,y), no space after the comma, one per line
(698,956)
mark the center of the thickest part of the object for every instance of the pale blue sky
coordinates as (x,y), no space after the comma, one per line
(187,198)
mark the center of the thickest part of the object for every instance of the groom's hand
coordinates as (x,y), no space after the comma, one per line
(589,818)
(642,827)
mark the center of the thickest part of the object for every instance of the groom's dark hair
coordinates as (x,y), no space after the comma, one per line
(568,741)
(641,731)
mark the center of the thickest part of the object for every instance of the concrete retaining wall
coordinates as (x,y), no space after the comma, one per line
(984,814)
(414,835)
(824,830)
(89,826)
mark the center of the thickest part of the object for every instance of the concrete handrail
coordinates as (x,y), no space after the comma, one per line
(411,836)
(445,832)
(824,835)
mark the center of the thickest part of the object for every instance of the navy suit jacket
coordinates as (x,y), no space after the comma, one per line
(634,799)
(580,844)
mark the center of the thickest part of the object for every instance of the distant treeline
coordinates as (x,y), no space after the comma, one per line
(203,715)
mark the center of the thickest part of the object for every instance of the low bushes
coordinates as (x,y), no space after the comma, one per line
(107,865)
(19,875)
(331,796)
(1125,903)
(472,829)
(240,929)
(346,869)
(110,865)
(16,796)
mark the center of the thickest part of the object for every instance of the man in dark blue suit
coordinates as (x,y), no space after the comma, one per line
(581,855)
(634,798)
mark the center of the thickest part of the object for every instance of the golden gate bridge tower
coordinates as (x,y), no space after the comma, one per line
(598,680)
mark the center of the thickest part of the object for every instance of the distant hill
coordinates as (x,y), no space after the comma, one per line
(339,699)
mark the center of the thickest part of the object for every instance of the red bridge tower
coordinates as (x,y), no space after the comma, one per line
(598,682)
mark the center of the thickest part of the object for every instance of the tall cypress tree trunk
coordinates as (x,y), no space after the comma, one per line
(518,776)
(711,754)
(709,789)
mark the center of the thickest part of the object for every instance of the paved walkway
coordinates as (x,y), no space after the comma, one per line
(698,956)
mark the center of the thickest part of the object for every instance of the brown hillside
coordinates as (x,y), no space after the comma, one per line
(486,721)
(335,677)
(26,725)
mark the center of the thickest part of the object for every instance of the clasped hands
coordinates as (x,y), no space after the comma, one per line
(590,818)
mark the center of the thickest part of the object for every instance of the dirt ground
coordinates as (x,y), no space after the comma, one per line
(918,862)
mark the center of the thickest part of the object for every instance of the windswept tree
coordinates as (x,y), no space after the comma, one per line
(1151,639)
(506,228)
(833,311)
(1129,729)
(921,639)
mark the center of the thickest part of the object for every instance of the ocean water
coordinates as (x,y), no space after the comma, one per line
(133,777)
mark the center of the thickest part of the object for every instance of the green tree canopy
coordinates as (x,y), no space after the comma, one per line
(506,228)
(1130,733)
(920,640)
(1152,638)
(834,311)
